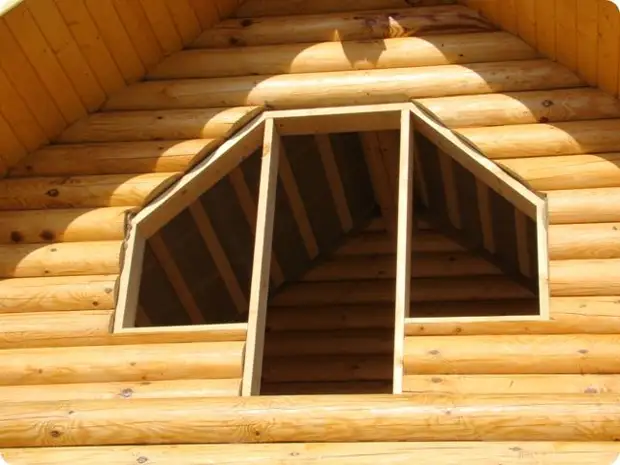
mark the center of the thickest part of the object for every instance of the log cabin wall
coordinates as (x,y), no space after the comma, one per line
(583,35)
(61,59)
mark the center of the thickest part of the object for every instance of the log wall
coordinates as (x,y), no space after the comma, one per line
(61,59)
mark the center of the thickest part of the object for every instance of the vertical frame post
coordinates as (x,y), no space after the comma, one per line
(259,289)
(403,247)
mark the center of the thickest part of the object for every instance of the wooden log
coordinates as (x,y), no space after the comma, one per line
(339,27)
(122,190)
(512,384)
(72,225)
(152,362)
(428,265)
(342,342)
(263,8)
(354,453)
(499,109)
(525,354)
(202,123)
(584,205)
(569,315)
(400,52)
(567,172)
(61,259)
(545,140)
(584,241)
(128,390)
(56,294)
(422,290)
(375,243)
(363,418)
(337,88)
(593,277)
(114,158)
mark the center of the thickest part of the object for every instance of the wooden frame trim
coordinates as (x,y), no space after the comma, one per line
(129,281)
(403,249)
(259,288)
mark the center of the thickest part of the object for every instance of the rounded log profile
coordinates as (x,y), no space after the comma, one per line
(500,109)
(173,124)
(584,241)
(362,418)
(114,158)
(353,453)
(71,225)
(139,362)
(344,87)
(57,293)
(592,277)
(584,205)
(336,56)
(340,27)
(520,354)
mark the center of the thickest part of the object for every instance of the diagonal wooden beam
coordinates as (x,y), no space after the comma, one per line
(449,187)
(328,158)
(523,254)
(212,242)
(486,220)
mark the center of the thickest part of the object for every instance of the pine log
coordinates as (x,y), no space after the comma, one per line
(339,27)
(82,191)
(428,265)
(72,225)
(114,158)
(520,354)
(340,341)
(593,277)
(128,390)
(336,56)
(584,241)
(260,8)
(57,294)
(354,453)
(569,315)
(328,368)
(584,205)
(545,140)
(198,123)
(567,172)
(332,89)
(376,243)
(363,418)
(378,291)
(61,259)
(152,362)
(512,384)
(499,109)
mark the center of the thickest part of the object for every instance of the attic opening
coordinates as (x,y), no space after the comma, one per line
(322,234)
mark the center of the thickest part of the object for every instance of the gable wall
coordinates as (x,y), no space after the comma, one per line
(61,59)
(583,35)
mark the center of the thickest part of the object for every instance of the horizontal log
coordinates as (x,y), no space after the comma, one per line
(341,342)
(372,243)
(354,453)
(512,384)
(198,123)
(61,259)
(145,362)
(328,368)
(584,205)
(499,109)
(349,56)
(422,290)
(341,88)
(364,418)
(427,265)
(340,388)
(114,158)
(71,225)
(569,315)
(524,354)
(567,172)
(584,241)
(592,277)
(82,191)
(302,7)
(128,390)
(339,27)
(542,140)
